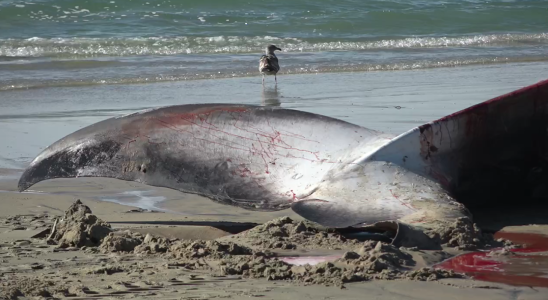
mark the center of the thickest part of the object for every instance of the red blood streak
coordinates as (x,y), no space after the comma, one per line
(402,203)
(295,198)
(524,268)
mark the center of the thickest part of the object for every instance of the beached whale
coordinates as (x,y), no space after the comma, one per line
(328,171)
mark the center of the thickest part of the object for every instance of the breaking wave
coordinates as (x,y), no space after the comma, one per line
(94,47)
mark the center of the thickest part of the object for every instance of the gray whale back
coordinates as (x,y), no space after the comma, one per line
(249,156)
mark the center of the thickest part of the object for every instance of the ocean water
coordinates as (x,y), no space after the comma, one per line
(55,43)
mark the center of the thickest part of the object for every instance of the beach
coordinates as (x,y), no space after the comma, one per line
(51,270)
(34,118)
(388,66)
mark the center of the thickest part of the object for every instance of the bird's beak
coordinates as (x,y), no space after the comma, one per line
(279,49)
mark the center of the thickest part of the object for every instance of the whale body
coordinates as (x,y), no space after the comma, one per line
(327,170)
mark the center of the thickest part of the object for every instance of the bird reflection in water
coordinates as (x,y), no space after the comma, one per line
(271,96)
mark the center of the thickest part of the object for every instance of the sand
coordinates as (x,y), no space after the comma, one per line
(103,250)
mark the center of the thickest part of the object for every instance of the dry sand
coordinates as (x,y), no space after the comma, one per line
(108,250)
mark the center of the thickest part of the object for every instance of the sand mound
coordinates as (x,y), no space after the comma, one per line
(207,249)
(462,234)
(368,260)
(132,242)
(79,227)
(429,274)
(152,245)
(378,256)
(126,242)
(285,233)
(374,260)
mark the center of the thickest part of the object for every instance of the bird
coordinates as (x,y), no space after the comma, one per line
(268,64)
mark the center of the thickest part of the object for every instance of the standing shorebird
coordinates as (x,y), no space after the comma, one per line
(268,64)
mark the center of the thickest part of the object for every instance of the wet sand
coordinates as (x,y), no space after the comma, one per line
(113,195)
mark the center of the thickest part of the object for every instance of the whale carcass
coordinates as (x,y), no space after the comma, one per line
(327,170)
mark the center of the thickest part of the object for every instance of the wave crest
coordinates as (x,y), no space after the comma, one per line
(93,47)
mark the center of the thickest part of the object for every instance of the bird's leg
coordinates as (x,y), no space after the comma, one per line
(263,79)
(275,79)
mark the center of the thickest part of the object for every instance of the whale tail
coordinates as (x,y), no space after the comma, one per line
(497,149)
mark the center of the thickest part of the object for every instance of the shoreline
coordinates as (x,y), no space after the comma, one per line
(250,75)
